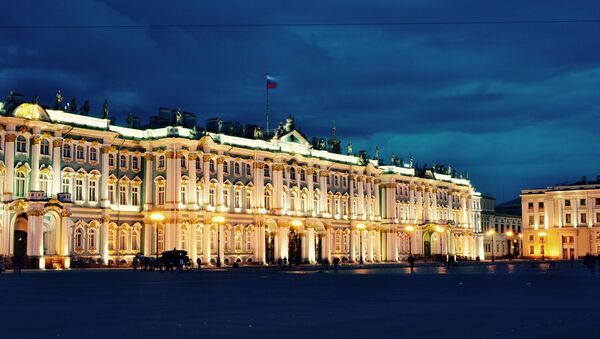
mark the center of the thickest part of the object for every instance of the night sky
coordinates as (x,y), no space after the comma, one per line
(515,105)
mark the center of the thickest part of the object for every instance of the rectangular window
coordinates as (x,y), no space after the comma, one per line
(248,202)
(567,203)
(236,168)
(531,220)
(135,195)
(598,217)
(541,205)
(248,170)
(92,190)
(237,199)
(111,193)
(79,189)
(226,197)
(66,185)
(597,201)
(80,153)
(568,218)
(583,218)
(67,151)
(161,195)
(582,202)
(45,147)
(530,205)
(93,154)
(531,249)
(542,220)
(135,163)
(267,171)
(531,237)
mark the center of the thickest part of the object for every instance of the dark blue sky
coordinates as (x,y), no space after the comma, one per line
(514,105)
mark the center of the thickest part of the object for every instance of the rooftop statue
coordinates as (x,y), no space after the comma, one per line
(376,156)
(36,99)
(349,147)
(411,162)
(85,109)
(178,117)
(258,133)
(105,109)
(394,160)
(129,120)
(72,106)
(59,100)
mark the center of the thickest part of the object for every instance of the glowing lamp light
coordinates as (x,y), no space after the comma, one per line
(157,217)
(439,229)
(542,234)
(509,234)
(491,232)
(296,223)
(360,226)
(409,228)
(521,235)
(218,219)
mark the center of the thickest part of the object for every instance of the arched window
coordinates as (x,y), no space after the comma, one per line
(111,160)
(198,163)
(303,199)
(183,192)
(316,203)
(45,147)
(93,154)
(135,240)
(79,153)
(211,196)
(236,168)
(78,238)
(122,241)
(225,166)
(135,163)
(111,240)
(346,242)
(292,173)
(46,183)
(183,239)
(211,165)
(268,199)
(227,238)
(183,162)
(249,237)
(302,175)
(237,238)
(267,171)
(248,202)
(293,201)
(160,192)
(91,239)
(199,240)
(123,161)
(20,184)
(338,241)
(161,162)
(237,199)
(21,144)
(67,151)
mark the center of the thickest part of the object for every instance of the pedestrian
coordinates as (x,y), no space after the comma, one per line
(199,263)
(572,260)
(2,267)
(411,261)
(289,262)
(336,263)
(180,266)
(17,265)
(134,263)
(285,261)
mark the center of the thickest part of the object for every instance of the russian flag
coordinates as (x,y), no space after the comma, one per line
(271,82)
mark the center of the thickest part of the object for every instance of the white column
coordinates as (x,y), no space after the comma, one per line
(284,241)
(327,243)
(148,181)
(361,198)
(192,241)
(104,240)
(370,247)
(9,158)
(56,170)
(192,203)
(323,174)
(220,161)
(35,163)
(352,245)
(104,202)
(206,245)
(377,212)
(310,239)
(147,240)
(206,173)
(259,245)
(221,242)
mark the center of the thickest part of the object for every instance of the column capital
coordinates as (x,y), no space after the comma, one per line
(206,157)
(106,149)
(37,139)
(57,142)
(220,160)
(192,156)
(10,137)
(148,156)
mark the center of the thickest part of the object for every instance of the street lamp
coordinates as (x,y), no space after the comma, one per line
(361,227)
(219,220)
(491,233)
(409,229)
(543,249)
(521,245)
(509,235)
(157,217)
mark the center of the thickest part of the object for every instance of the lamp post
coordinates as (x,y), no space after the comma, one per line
(409,229)
(543,249)
(509,235)
(157,217)
(361,227)
(521,245)
(491,233)
(218,220)
(440,231)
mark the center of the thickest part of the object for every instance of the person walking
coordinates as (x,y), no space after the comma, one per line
(199,263)
(336,264)
(411,261)
(2,267)
(134,263)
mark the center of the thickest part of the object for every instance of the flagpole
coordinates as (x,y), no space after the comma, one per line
(267,103)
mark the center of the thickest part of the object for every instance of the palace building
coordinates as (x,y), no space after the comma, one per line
(75,186)
(562,221)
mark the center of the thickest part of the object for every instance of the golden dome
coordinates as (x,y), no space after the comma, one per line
(31,111)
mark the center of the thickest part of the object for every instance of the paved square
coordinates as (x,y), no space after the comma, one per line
(484,301)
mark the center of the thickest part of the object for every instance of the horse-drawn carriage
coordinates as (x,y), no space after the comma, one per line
(168,260)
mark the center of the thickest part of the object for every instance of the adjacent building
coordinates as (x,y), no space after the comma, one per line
(502,229)
(76,186)
(562,221)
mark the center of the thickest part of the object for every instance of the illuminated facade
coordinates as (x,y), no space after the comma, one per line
(561,221)
(505,230)
(77,186)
